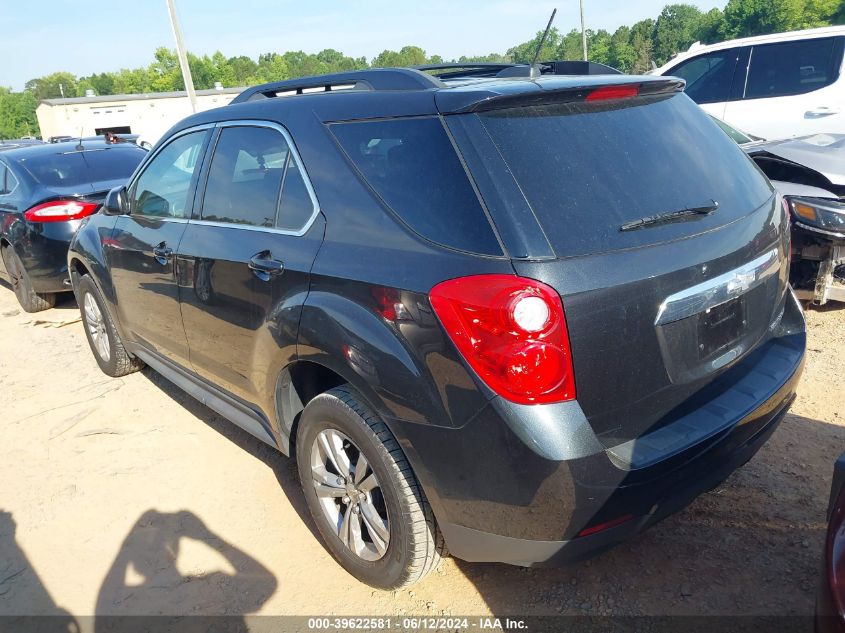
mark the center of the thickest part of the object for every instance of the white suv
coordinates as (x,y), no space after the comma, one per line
(773,86)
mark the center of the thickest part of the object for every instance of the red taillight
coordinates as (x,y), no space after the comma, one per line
(512,332)
(614,92)
(835,553)
(60,211)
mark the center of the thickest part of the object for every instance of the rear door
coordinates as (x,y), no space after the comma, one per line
(143,245)
(655,312)
(792,89)
(245,261)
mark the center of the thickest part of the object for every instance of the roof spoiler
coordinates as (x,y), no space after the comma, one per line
(478,97)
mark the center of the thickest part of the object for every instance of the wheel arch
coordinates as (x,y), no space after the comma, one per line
(299,383)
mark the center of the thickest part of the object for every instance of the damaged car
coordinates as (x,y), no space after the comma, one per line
(809,172)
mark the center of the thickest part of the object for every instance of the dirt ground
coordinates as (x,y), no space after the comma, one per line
(123,496)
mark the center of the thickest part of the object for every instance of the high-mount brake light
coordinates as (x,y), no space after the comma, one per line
(512,332)
(60,211)
(606,93)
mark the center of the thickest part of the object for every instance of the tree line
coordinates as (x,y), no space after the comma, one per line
(631,49)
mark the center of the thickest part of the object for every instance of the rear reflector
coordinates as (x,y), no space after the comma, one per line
(60,211)
(600,527)
(614,92)
(512,332)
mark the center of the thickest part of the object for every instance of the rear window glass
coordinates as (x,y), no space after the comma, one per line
(792,68)
(83,168)
(587,169)
(413,167)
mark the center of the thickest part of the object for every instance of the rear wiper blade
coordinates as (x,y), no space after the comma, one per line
(672,216)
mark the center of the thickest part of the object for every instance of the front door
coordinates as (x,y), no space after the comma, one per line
(143,246)
(245,262)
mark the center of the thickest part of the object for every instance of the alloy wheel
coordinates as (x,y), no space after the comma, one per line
(96,325)
(350,495)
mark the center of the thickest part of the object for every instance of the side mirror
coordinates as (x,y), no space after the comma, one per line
(116,202)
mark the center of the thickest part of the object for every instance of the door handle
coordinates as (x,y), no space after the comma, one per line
(264,266)
(822,111)
(162,253)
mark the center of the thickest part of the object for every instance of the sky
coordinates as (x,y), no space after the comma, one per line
(86,36)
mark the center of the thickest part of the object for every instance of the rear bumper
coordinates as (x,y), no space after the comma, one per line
(654,501)
(534,486)
(43,252)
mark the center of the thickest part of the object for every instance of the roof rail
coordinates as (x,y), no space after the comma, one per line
(371,79)
(477,70)
(457,70)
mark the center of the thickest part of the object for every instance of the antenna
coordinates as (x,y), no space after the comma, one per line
(535,69)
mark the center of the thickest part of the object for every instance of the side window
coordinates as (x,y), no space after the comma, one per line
(296,207)
(413,167)
(254,179)
(793,68)
(163,188)
(708,76)
(3,172)
(11,182)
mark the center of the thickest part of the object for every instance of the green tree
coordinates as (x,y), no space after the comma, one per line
(524,53)
(641,43)
(675,30)
(132,81)
(571,46)
(53,86)
(406,56)
(491,58)
(242,68)
(598,46)
(759,17)
(17,114)
(621,53)
(710,27)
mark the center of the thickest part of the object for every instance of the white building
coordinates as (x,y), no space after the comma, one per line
(150,115)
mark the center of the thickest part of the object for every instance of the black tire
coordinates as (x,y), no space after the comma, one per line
(30,300)
(415,545)
(117,362)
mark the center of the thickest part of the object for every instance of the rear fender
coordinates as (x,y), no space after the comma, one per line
(406,369)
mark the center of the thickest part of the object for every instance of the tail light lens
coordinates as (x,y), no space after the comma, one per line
(835,553)
(606,93)
(60,211)
(512,332)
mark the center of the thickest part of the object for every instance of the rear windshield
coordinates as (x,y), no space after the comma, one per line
(588,168)
(73,169)
(413,167)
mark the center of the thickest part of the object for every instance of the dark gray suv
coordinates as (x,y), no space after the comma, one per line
(521,313)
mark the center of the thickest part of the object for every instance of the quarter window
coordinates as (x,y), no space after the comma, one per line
(708,76)
(162,190)
(254,179)
(793,68)
(8,182)
(413,167)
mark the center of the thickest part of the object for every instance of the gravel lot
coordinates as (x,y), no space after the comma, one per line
(127,496)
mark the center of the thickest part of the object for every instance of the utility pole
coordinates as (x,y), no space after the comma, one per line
(182,55)
(583,32)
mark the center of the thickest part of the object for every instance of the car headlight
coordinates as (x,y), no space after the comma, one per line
(821,213)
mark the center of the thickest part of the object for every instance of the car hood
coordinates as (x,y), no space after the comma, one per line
(823,153)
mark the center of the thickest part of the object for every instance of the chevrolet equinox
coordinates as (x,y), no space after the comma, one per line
(511,311)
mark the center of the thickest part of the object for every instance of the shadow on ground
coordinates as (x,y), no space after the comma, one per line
(753,545)
(64,300)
